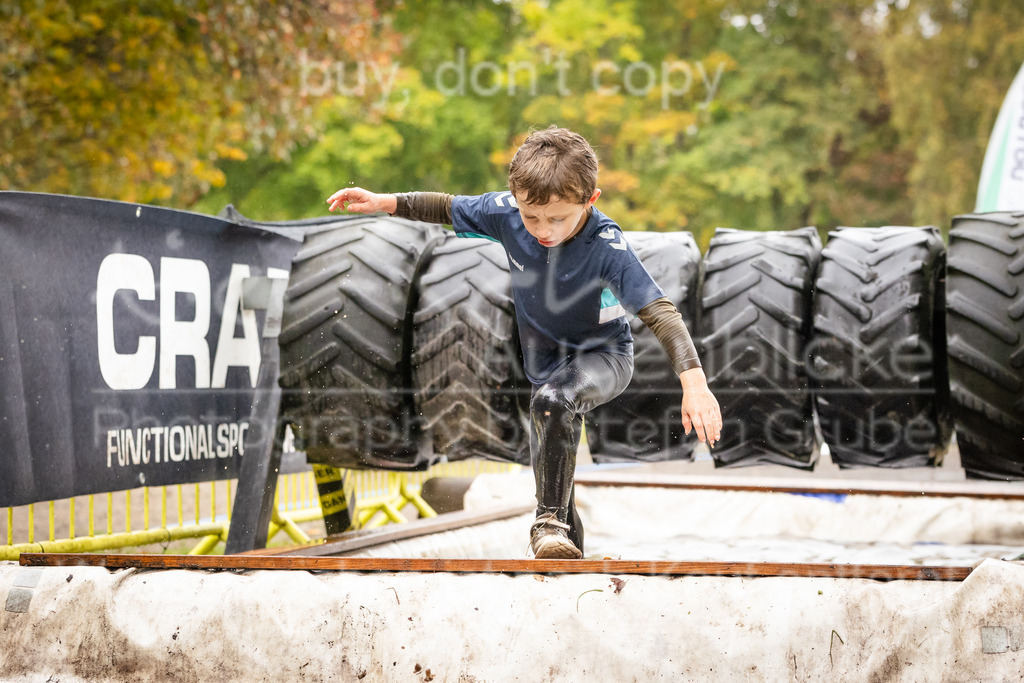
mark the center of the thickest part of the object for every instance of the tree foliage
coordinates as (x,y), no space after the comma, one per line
(143,101)
(948,65)
(760,114)
(403,134)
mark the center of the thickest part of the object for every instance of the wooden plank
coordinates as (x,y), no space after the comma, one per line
(357,540)
(378,564)
(979,489)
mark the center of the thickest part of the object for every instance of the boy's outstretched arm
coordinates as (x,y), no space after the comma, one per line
(430,207)
(699,407)
(358,200)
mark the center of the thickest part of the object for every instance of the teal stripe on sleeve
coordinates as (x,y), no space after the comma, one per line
(476,234)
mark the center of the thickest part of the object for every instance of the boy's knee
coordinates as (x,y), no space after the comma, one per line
(551,400)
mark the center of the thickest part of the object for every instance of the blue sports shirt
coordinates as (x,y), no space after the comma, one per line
(571,298)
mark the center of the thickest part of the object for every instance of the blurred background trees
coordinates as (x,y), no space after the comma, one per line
(757,114)
(145,101)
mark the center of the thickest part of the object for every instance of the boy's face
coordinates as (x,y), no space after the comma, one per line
(555,222)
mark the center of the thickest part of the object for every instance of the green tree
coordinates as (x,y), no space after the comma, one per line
(757,114)
(142,101)
(764,115)
(415,132)
(948,66)
(808,102)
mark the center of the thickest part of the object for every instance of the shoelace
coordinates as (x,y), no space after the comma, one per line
(548,519)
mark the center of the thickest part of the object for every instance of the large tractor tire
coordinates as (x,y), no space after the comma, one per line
(346,338)
(754,325)
(643,423)
(877,359)
(986,342)
(466,361)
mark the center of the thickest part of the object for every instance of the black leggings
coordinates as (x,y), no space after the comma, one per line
(556,416)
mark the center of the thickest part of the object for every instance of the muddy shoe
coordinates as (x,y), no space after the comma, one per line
(549,541)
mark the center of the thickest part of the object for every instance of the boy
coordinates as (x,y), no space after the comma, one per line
(573,278)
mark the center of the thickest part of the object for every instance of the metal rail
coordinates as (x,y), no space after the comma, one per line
(367,538)
(376,564)
(973,489)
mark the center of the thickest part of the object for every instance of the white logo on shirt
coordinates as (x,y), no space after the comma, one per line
(517,263)
(506,197)
(609,234)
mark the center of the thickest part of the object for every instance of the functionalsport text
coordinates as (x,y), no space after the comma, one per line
(177,443)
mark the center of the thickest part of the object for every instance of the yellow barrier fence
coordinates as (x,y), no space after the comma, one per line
(201,513)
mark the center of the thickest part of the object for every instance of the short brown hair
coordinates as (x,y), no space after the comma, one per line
(554,162)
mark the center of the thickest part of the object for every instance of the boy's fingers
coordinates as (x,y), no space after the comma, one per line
(712,429)
(698,427)
(337,196)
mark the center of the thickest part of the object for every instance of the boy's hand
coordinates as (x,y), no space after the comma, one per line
(700,407)
(362,201)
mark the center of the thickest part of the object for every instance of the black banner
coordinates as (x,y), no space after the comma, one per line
(126,358)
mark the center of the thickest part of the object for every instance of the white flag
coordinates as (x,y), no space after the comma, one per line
(1002,175)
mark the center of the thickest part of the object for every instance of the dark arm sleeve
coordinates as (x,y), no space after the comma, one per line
(430,207)
(663,319)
